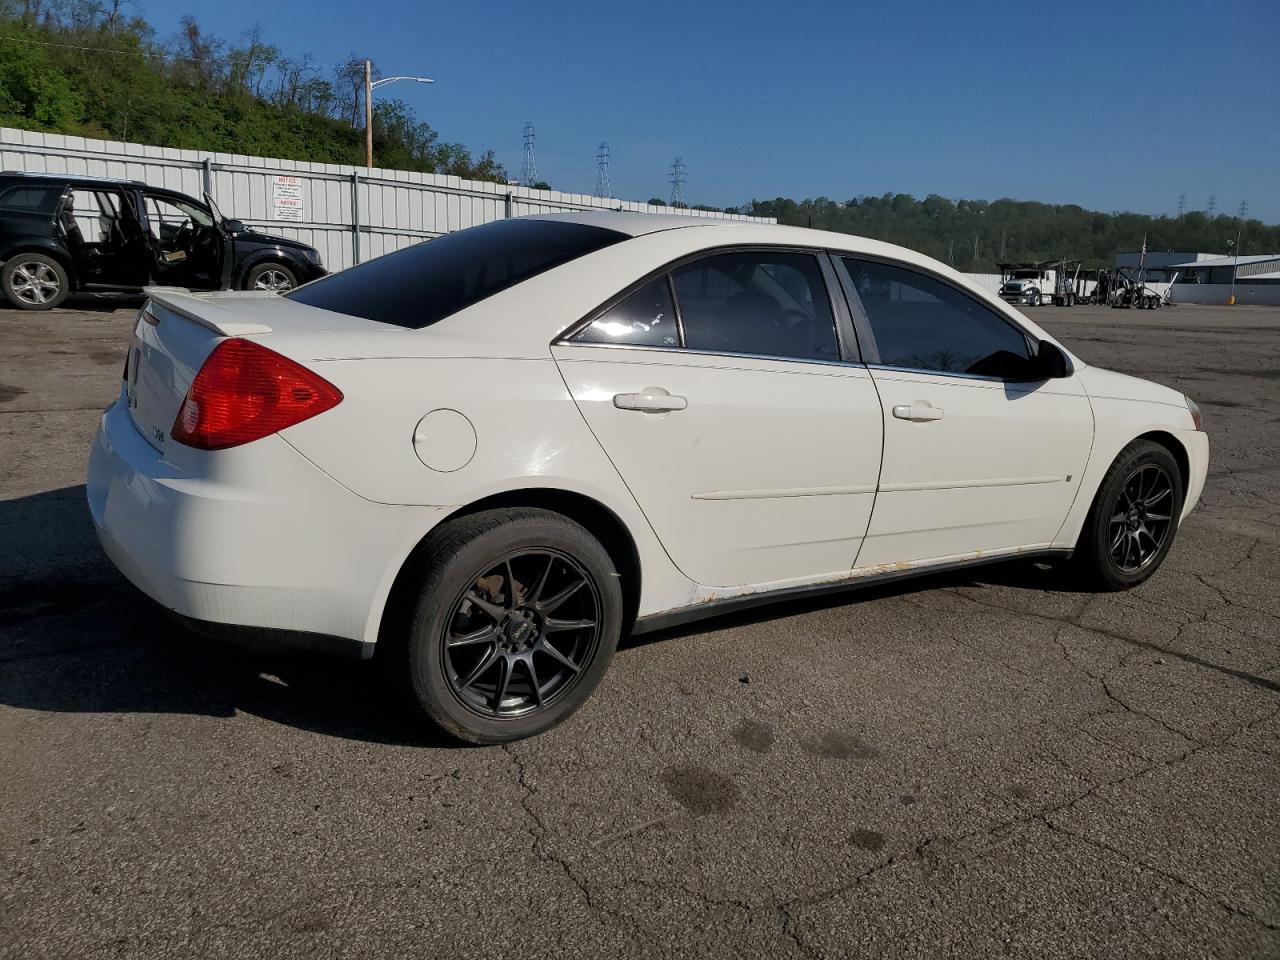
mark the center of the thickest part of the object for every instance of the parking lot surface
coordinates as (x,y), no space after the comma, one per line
(971,765)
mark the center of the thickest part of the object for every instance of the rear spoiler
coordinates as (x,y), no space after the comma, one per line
(204,310)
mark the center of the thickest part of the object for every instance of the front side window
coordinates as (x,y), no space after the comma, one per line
(760,303)
(925,324)
(421,285)
(170,217)
(646,318)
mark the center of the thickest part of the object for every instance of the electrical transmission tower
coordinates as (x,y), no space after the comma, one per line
(1244,209)
(1182,204)
(529,175)
(1213,205)
(602,170)
(677,182)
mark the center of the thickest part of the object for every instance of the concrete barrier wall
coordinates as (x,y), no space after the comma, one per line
(1264,293)
(348,213)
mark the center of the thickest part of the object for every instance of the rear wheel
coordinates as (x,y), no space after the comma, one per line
(270,276)
(33,281)
(517,616)
(1133,519)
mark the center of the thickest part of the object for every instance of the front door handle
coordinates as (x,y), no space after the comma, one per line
(649,400)
(918,411)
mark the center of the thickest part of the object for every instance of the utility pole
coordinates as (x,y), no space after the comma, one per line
(369,85)
(1235,263)
(677,182)
(1002,239)
(975,247)
(368,115)
(529,173)
(602,170)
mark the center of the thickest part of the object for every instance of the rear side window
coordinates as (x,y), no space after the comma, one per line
(646,318)
(425,283)
(924,324)
(760,303)
(31,199)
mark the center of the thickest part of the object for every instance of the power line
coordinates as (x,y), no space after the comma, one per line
(677,182)
(602,170)
(122,53)
(529,173)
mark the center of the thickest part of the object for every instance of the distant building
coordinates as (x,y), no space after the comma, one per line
(1257,268)
(1159,259)
(1161,265)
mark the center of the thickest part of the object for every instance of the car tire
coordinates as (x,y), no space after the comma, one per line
(1133,520)
(34,281)
(270,276)
(462,578)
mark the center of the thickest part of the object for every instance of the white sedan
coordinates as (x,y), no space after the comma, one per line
(487,457)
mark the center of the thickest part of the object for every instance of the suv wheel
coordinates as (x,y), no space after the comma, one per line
(33,281)
(270,276)
(1133,520)
(517,616)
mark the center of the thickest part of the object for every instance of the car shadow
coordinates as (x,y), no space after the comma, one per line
(76,637)
(1019,573)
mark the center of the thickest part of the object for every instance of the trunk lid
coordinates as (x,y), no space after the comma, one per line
(177,330)
(171,339)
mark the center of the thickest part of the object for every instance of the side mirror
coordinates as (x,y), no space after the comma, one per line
(1053,363)
(233,226)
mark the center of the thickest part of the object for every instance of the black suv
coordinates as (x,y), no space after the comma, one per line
(63,233)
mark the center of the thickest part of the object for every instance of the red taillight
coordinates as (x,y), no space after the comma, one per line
(244,392)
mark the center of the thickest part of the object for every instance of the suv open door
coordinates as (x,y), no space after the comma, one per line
(188,246)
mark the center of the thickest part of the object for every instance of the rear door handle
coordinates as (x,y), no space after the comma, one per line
(918,411)
(649,400)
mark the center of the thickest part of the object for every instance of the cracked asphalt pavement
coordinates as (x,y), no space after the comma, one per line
(961,766)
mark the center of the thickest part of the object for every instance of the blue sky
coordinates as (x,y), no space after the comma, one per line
(831,99)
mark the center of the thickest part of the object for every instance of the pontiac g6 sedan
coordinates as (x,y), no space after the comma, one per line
(486,457)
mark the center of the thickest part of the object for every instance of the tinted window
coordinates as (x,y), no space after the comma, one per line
(646,317)
(420,285)
(925,324)
(31,199)
(774,304)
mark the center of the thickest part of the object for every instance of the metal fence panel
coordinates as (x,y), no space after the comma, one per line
(348,213)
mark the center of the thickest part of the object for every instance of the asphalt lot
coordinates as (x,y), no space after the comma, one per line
(967,766)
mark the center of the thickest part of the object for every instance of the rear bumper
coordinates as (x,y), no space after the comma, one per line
(261,547)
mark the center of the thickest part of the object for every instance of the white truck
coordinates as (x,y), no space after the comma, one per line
(1055,281)
(1028,284)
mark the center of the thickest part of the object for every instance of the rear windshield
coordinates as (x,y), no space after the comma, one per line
(420,285)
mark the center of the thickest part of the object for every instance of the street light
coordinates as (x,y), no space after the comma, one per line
(369,85)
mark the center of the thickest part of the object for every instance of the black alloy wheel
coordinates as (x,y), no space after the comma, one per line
(521,633)
(510,618)
(1141,518)
(1133,519)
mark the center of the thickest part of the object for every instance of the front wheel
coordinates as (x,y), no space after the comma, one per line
(1036,299)
(517,616)
(270,276)
(1133,519)
(33,281)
